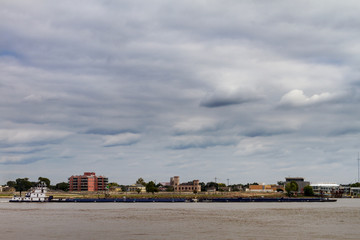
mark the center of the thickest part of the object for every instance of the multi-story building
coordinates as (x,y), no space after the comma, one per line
(193,186)
(300,182)
(87,182)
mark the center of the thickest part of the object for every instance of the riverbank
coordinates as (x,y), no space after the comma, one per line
(201,195)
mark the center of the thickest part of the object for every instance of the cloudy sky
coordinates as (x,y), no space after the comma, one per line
(240,90)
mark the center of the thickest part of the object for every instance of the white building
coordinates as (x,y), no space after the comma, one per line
(355,191)
(325,187)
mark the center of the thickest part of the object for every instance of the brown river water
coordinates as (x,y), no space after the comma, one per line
(336,220)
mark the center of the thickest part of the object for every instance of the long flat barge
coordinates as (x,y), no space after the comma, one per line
(178,200)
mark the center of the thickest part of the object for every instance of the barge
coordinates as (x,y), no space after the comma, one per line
(178,200)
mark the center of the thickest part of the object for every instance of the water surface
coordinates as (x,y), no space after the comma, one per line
(339,220)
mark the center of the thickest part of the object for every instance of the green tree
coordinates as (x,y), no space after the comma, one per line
(45,180)
(150,187)
(64,186)
(11,184)
(138,190)
(113,184)
(281,183)
(212,185)
(203,186)
(22,184)
(308,191)
(141,181)
(291,187)
(355,184)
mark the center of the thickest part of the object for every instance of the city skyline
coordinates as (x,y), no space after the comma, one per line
(246,91)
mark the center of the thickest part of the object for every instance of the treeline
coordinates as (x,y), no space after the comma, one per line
(152,187)
(23,184)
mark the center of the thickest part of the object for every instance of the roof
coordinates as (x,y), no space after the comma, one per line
(325,185)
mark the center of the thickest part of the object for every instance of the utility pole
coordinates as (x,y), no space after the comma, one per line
(358,167)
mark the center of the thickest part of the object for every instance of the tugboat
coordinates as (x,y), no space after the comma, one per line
(36,194)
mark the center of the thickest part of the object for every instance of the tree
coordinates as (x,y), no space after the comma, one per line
(212,185)
(22,184)
(123,188)
(281,183)
(138,190)
(45,180)
(150,187)
(64,186)
(141,181)
(11,184)
(308,191)
(113,184)
(291,187)
(203,186)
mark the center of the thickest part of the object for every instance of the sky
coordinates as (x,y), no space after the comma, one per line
(241,91)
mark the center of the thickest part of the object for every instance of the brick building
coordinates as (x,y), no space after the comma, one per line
(87,182)
(185,187)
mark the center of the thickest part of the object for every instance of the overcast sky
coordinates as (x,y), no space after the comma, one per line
(240,90)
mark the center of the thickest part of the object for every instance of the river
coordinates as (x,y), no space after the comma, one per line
(140,221)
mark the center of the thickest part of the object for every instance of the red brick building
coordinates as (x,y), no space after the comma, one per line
(87,182)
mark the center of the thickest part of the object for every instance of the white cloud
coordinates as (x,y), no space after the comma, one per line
(297,98)
(33,98)
(31,137)
(252,146)
(195,125)
(121,139)
(10,159)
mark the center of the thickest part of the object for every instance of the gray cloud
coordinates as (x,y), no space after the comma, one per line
(222,100)
(200,142)
(246,86)
(258,132)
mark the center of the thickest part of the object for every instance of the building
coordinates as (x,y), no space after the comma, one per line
(355,191)
(137,187)
(261,188)
(300,182)
(115,189)
(325,188)
(87,182)
(193,186)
